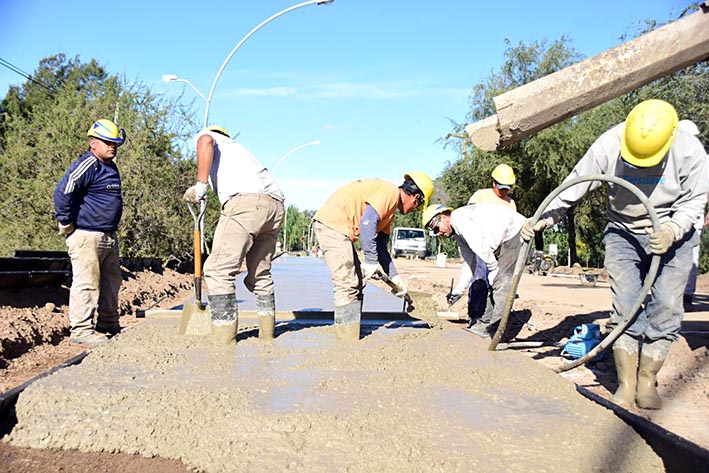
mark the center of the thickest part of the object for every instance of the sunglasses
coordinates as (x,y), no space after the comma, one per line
(435,224)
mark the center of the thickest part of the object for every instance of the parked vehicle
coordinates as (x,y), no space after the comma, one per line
(409,241)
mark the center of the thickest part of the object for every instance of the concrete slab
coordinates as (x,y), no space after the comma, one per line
(302,283)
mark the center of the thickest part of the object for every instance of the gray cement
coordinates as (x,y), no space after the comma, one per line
(404,398)
(303,283)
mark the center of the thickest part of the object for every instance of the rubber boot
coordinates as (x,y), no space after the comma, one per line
(647,396)
(266,307)
(625,353)
(651,359)
(225,318)
(347,321)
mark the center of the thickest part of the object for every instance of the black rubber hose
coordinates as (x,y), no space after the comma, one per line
(522,257)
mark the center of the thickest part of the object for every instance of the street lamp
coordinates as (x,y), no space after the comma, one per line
(312,143)
(243,40)
(174,78)
(285,218)
(208,98)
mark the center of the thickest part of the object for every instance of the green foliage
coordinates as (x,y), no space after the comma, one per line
(704,252)
(43,130)
(297,230)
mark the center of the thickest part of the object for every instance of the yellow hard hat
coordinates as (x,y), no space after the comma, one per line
(431,211)
(108,131)
(503,174)
(424,183)
(220,130)
(650,130)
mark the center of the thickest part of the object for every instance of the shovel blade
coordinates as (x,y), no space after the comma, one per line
(195,320)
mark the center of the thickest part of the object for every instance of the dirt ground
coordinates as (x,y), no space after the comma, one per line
(34,328)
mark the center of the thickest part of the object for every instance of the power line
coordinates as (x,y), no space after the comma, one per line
(19,71)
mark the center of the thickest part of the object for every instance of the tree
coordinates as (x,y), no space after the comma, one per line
(296,228)
(43,127)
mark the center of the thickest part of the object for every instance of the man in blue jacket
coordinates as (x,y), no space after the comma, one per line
(88,206)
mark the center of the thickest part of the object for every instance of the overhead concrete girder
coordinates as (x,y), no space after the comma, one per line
(532,107)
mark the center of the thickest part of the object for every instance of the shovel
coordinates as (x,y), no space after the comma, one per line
(195,319)
(449,314)
(425,311)
(408,302)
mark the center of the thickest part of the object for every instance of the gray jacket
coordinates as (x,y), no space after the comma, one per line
(677,186)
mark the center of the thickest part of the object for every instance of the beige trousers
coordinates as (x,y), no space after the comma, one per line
(342,261)
(248,229)
(96,279)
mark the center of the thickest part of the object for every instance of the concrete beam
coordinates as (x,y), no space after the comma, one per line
(532,107)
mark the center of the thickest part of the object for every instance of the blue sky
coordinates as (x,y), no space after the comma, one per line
(375,81)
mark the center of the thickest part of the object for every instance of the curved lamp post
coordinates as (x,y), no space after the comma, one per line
(174,78)
(208,98)
(285,218)
(312,143)
(243,40)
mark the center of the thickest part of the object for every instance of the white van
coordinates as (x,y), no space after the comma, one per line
(409,241)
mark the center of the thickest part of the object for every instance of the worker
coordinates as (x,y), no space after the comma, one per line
(486,232)
(249,223)
(503,181)
(691,286)
(364,210)
(88,206)
(668,165)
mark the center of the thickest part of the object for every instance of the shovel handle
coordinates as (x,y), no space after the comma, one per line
(198,218)
(385,279)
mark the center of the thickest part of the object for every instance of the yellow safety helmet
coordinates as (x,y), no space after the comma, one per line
(431,211)
(650,130)
(108,131)
(424,183)
(503,174)
(220,130)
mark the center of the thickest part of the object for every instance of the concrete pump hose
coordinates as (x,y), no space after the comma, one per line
(522,257)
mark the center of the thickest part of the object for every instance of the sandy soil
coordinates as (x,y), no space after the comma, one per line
(34,326)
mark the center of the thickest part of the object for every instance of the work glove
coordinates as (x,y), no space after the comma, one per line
(661,241)
(368,270)
(401,287)
(196,193)
(453,297)
(66,230)
(528,230)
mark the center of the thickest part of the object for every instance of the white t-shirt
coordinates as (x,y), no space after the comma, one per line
(235,170)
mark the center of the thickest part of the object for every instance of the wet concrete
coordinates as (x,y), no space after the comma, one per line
(404,398)
(303,283)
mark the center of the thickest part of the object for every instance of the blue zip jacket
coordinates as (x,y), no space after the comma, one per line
(89,195)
